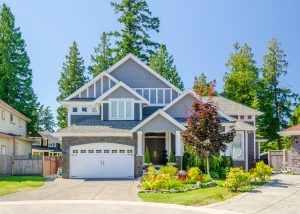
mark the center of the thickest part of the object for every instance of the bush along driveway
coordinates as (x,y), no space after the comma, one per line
(12,184)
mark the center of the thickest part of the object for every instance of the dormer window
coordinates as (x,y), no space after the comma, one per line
(84,109)
(121,110)
(75,109)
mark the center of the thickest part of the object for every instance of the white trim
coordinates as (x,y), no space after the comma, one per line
(115,87)
(135,59)
(141,111)
(162,113)
(95,90)
(289,133)
(178,144)
(254,146)
(139,143)
(87,85)
(105,134)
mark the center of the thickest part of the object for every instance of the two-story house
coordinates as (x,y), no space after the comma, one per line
(13,131)
(128,108)
(46,144)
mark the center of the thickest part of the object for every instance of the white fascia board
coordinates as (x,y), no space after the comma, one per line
(91,82)
(115,87)
(135,59)
(289,133)
(162,113)
(106,134)
(78,103)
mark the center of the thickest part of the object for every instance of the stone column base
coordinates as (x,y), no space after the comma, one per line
(138,166)
(178,162)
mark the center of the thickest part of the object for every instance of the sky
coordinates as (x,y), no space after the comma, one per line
(199,34)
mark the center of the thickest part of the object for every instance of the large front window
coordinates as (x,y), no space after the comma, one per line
(121,110)
(235,149)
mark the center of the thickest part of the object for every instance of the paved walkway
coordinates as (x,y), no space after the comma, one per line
(79,189)
(281,195)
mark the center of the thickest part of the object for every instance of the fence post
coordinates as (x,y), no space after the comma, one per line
(269,158)
(284,160)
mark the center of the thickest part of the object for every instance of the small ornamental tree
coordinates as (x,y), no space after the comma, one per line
(204,132)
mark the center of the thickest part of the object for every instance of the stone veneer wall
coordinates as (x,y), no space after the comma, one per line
(294,157)
(178,160)
(72,141)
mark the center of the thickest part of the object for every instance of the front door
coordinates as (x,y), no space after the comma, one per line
(156,147)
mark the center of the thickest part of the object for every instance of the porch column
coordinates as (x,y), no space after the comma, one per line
(139,143)
(178,143)
(246,151)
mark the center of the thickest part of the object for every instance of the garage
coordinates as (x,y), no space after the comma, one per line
(102,160)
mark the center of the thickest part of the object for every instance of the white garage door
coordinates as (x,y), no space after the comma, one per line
(102,160)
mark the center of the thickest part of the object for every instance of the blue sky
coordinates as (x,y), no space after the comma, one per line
(200,34)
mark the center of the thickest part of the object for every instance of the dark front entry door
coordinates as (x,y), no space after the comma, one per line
(156,147)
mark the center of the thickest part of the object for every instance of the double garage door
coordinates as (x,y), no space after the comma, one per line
(102,160)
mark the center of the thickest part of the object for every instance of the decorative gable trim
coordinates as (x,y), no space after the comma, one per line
(142,64)
(163,114)
(91,82)
(115,87)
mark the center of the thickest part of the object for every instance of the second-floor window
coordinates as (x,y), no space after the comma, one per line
(3,114)
(75,109)
(11,118)
(121,110)
(84,109)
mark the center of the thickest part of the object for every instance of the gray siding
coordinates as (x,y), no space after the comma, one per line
(91,91)
(168,96)
(178,109)
(137,111)
(84,94)
(159,124)
(174,95)
(112,83)
(146,94)
(251,149)
(147,111)
(121,93)
(160,98)
(105,111)
(98,88)
(105,84)
(135,76)
(77,118)
(152,96)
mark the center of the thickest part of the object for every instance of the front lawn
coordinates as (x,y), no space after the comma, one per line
(196,197)
(12,184)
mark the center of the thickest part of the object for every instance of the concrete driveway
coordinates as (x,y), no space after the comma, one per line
(79,189)
(281,195)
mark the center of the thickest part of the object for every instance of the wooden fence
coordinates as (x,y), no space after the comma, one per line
(277,159)
(29,165)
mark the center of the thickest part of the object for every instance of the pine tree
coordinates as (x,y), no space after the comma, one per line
(102,58)
(72,78)
(201,82)
(163,63)
(15,73)
(241,82)
(45,119)
(274,100)
(137,22)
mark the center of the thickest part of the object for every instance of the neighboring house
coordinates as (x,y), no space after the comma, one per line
(294,154)
(45,144)
(129,107)
(13,131)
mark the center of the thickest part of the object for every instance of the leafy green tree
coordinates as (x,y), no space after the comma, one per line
(240,83)
(206,87)
(15,73)
(274,100)
(163,63)
(103,56)
(137,22)
(72,78)
(45,119)
(295,118)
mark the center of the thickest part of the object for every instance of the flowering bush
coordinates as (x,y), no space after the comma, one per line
(193,173)
(161,182)
(261,172)
(206,178)
(237,179)
(151,169)
(168,170)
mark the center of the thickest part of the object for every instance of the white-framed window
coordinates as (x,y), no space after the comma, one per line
(11,118)
(94,110)
(74,109)
(121,110)
(20,124)
(84,109)
(37,142)
(3,114)
(236,148)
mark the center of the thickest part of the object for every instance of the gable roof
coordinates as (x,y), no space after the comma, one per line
(142,64)
(91,82)
(14,111)
(291,131)
(163,114)
(118,85)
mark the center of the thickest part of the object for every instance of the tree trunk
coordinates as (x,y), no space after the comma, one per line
(207,165)
(277,115)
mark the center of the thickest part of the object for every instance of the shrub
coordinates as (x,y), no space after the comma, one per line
(223,171)
(168,170)
(182,175)
(161,182)
(261,172)
(172,158)
(151,169)
(237,179)
(215,174)
(147,156)
(193,173)
(206,178)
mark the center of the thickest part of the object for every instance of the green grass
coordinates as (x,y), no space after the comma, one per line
(198,197)
(12,184)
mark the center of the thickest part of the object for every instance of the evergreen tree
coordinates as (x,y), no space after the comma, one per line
(15,73)
(274,100)
(163,63)
(45,119)
(72,78)
(240,83)
(295,118)
(137,22)
(201,82)
(102,58)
